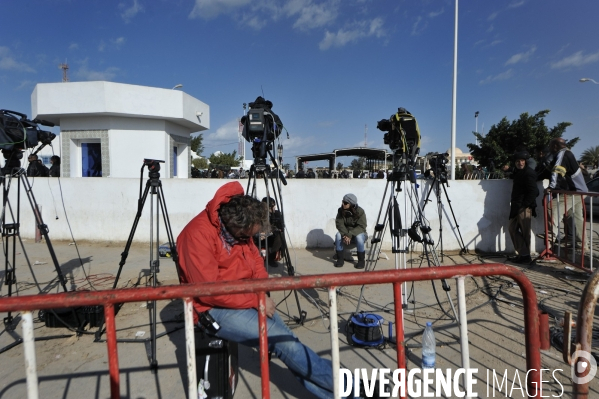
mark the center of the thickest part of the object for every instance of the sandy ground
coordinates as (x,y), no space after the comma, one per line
(72,365)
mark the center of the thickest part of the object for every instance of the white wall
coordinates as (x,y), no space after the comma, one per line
(104,209)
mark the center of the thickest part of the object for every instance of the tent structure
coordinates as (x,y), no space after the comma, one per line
(375,158)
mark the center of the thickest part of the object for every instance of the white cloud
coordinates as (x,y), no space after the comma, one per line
(132,11)
(225,134)
(493,16)
(516,4)
(418,26)
(207,9)
(315,15)
(118,42)
(521,57)
(357,31)
(101,46)
(8,61)
(84,73)
(575,60)
(73,46)
(436,13)
(502,76)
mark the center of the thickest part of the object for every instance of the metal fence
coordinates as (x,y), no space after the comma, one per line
(109,298)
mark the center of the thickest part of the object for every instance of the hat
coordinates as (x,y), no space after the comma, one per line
(521,155)
(351,199)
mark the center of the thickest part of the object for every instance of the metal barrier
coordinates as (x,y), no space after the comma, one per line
(580,358)
(553,242)
(109,298)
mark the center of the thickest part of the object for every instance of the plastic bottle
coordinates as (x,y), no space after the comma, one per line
(428,347)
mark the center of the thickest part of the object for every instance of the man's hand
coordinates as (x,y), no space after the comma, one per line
(346,240)
(270,307)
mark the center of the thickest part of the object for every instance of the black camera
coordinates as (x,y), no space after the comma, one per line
(438,165)
(403,134)
(261,127)
(18,133)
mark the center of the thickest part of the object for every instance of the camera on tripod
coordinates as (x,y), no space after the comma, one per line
(17,133)
(438,165)
(261,127)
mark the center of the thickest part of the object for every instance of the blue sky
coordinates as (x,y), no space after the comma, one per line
(331,67)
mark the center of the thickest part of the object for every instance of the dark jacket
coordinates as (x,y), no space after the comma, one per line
(37,169)
(572,179)
(524,191)
(351,223)
(55,170)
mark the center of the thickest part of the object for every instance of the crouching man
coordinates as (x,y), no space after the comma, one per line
(217,245)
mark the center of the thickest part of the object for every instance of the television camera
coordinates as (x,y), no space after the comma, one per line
(403,138)
(261,127)
(18,133)
(438,166)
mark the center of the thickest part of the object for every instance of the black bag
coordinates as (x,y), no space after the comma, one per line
(216,366)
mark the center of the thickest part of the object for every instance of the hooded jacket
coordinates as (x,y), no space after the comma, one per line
(204,258)
(351,223)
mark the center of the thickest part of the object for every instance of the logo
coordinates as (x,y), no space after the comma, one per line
(587,360)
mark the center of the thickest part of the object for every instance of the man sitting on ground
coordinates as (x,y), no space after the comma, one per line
(351,227)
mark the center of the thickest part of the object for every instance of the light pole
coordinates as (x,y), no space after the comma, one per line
(177,86)
(476,126)
(280,153)
(588,80)
(455,90)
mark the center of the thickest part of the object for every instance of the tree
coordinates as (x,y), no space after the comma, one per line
(200,163)
(223,159)
(358,164)
(590,156)
(339,166)
(530,131)
(196,144)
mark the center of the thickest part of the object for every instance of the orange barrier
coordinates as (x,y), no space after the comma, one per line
(564,205)
(108,298)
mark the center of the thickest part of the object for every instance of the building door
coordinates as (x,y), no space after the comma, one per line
(91,160)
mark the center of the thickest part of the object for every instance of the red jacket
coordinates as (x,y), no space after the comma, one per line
(204,258)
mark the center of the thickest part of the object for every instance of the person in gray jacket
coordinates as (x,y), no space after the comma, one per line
(351,227)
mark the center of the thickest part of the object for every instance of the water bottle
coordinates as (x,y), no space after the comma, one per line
(428,347)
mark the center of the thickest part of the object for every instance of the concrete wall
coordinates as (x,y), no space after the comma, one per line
(104,209)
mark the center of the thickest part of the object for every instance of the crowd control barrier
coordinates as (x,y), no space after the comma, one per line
(561,208)
(108,298)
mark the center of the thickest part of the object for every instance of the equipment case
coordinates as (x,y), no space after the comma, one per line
(216,366)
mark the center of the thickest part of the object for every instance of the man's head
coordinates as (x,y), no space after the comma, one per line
(243,216)
(557,144)
(271,202)
(32,158)
(349,201)
(520,158)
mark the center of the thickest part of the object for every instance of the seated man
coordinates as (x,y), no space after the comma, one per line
(351,227)
(274,237)
(217,246)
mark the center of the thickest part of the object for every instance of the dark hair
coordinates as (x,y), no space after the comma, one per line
(55,159)
(242,212)
(271,201)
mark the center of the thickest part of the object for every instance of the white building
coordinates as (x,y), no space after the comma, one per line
(107,129)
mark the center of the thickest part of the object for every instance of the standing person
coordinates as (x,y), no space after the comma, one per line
(351,227)
(274,237)
(566,175)
(36,168)
(55,168)
(523,206)
(217,246)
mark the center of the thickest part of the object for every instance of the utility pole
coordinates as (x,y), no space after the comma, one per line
(476,127)
(365,135)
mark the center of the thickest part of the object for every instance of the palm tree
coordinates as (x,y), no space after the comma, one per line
(590,156)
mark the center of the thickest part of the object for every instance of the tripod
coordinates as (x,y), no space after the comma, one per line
(11,231)
(260,166)
(400,235)
(154,188)
(439,182)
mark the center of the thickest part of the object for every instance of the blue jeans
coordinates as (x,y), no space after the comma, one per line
(241,326)
(359,240)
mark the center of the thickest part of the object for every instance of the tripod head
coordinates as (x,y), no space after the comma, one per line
(153,168)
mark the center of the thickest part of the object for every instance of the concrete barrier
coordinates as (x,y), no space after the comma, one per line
(104,209)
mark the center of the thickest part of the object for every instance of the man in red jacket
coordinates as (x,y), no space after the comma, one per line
(217,245)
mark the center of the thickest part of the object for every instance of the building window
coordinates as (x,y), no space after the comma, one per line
(45,160)
(174,161)
(91,160)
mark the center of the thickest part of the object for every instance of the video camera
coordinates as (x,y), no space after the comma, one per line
(403,134)
(438,165)
(261,127)
(17,133)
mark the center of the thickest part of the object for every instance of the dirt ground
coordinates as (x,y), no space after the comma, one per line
(72,365)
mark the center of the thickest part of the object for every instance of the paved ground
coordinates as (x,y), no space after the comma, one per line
(74,366)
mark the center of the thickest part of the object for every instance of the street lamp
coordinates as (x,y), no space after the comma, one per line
(587,80)
(280,153)
(476,126)
(177,86)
